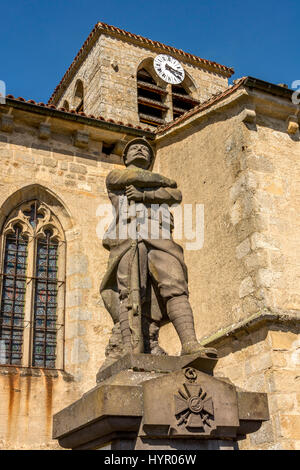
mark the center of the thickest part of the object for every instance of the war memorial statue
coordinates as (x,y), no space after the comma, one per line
(145,399)
(146,283)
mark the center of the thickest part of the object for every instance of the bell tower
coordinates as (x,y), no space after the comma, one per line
(113,76)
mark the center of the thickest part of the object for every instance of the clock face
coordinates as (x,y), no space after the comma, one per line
(169,69)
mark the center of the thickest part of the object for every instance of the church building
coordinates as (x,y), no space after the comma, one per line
(232,148)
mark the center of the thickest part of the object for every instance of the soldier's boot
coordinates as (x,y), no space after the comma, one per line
(124,326)
(181,315)
(150,330)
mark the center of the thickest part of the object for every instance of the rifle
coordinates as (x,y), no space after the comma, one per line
(135,311)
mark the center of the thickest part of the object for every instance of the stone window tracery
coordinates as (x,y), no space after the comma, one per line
(32,287)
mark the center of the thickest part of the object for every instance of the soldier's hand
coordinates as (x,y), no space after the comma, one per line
(133,194)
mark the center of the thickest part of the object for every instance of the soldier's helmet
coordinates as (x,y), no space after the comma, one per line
(139,140)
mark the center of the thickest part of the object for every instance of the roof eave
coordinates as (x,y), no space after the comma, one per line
(249,83)
(50,111)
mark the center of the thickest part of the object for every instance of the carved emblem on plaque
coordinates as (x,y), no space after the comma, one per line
(194,410)
(190,374)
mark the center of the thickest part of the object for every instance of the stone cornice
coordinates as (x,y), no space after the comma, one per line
(45,112)
(254,322)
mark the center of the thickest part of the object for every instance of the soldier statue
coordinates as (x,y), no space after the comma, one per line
(146,283)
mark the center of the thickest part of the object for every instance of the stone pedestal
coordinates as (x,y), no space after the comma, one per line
(160,402)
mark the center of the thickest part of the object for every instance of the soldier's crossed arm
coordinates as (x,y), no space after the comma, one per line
(120,179)
(162,196)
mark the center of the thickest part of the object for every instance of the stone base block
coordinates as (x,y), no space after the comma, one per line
(150,402)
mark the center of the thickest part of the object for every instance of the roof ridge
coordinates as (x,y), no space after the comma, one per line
(200,107)
(160,44)
(114,29)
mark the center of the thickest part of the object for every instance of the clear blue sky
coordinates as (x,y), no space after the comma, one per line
(39,38)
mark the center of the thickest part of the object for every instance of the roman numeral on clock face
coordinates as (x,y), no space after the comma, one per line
(169,69)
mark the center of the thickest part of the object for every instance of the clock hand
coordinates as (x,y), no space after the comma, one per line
(173,71)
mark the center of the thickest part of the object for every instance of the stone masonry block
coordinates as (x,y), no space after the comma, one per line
(267,277)
(24,157)
(81,139)
(75,168)
(79,353)
(246,287)
(44,131)
(63,166)
(264,435)
(255,260)
(7,123)
(290,426)
(283,340)
(279,402)
(292,124)
(246,227)
(284,381)
(78,263)
(260,240)
(50,162)
(73,298)
(248,116)
(4,153)
(258,163)
(80,313)
(243,249)
(247,181)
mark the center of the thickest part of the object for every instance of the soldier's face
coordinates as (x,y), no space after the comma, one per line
(139,155)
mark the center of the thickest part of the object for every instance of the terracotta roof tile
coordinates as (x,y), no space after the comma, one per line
(103,27)
(72,111)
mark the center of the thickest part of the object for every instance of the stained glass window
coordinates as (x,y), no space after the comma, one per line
(13,298)
(45,303)
(30,288)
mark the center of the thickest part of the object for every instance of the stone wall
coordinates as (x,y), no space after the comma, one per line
(244,177)
(248,267)
(72,182)
(205,171)
(267,359)
(111,92)
(271,254)
(28,400)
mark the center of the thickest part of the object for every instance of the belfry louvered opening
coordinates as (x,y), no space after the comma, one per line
(182,101)
(151,105)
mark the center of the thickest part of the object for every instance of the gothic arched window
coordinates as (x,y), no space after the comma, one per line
(66,105)
(32,288)
(78,99)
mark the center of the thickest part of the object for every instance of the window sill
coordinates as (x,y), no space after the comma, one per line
(35,372)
